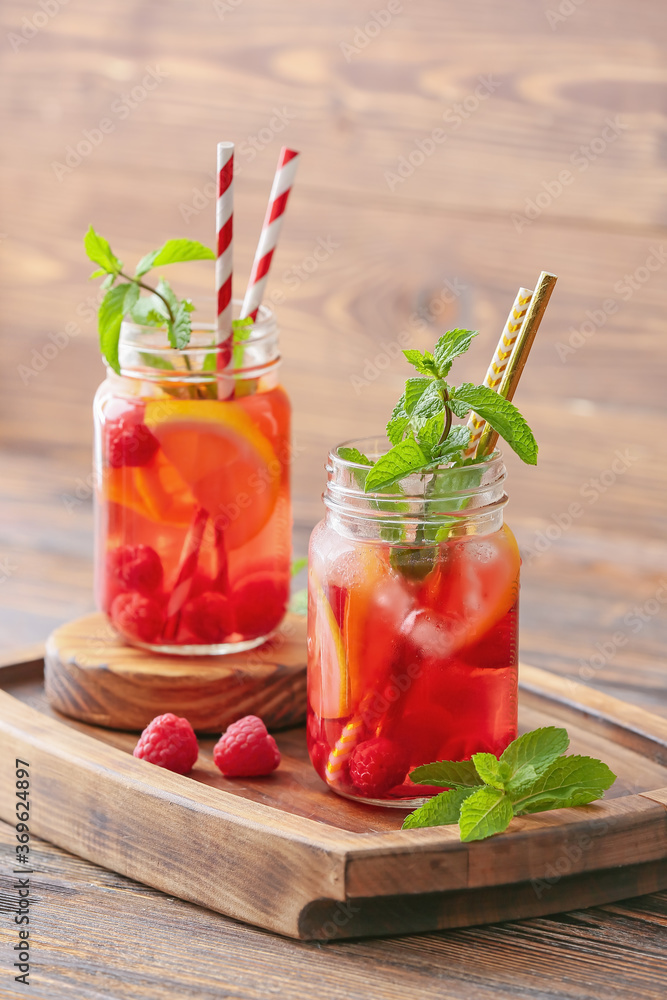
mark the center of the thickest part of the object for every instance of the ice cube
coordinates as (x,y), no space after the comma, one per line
(432,635)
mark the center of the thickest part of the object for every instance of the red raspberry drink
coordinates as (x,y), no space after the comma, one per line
(193,506)
(412,648)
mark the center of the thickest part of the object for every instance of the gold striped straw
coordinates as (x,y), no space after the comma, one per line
(519,356)
(499,361)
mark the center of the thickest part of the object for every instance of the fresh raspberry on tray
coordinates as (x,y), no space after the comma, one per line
(246,749)
(169,742)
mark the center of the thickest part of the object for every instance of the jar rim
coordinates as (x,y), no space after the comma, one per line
(144,351)
(462,492)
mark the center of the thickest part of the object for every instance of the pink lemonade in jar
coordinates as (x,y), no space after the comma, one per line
(193,502)
(412,648)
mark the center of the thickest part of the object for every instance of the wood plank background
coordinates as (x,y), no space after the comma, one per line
(583,92)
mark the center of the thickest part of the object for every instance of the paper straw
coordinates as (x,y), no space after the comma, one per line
(224,220)
(344,748)
(499,361)
(519,356)
(273,220)
(187,568)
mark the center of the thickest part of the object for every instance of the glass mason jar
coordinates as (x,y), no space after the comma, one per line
(193,516)
(412,626)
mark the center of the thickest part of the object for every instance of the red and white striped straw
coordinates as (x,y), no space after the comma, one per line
(273,220)
(224,223)
(187,568)
(499,361)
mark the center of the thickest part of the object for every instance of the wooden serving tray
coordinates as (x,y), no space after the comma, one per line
(286,854)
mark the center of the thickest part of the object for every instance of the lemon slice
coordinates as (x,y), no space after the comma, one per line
(328,676)
(227,463)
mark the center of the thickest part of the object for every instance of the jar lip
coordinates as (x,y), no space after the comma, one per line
(462,493)
(263,329)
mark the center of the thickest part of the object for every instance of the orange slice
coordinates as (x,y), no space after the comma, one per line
(228,465)
(155,491)
(328,678)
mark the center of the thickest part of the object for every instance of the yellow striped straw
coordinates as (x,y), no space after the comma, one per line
(344,748)
(499,361)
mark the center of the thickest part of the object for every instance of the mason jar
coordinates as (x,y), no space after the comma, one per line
(412,625)
(192,474)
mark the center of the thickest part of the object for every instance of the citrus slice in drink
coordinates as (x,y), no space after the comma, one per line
(328,677)
(229,466)
(155,491)
(475,584)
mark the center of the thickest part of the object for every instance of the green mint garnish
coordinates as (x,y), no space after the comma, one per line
(161,308)
(421,429)
(532,775)
(353,455)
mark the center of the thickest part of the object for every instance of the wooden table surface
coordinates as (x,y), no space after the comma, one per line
(450,152)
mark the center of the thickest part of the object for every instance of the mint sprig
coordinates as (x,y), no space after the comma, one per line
(421,426)
(161,308)
(532,775)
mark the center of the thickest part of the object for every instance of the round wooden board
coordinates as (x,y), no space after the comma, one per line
(92,675)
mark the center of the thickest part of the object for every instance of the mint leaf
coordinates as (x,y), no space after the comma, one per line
(149,310)
(298,565)
(394,465)
(353,455)
(180,328)
(485,812)
(429,403)
(398,422)
(450,346)
(241,330)
(100,252)
(173,252)
(449,773)
(457,441)
(165,290)
(440,810)
(430,432)
(112,310)
(424,363)
(502,415)
(414,390)
(569,781)
(530,755)
(491,770)
(298,602)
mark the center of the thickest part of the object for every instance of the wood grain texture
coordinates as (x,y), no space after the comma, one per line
(94,799)
(92,675)
(451,221)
